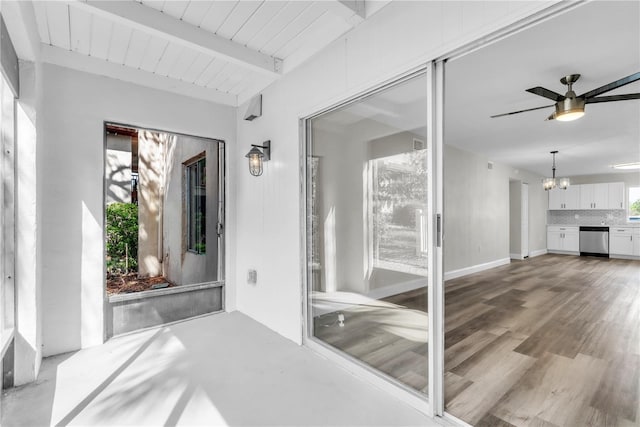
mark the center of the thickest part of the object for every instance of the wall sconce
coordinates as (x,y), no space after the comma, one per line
(256,157)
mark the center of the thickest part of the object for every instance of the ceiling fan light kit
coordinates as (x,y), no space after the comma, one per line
(569,107)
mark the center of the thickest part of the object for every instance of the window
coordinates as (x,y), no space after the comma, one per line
(196,178)
(399,191)
(634,204)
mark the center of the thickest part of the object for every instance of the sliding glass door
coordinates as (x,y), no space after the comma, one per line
(370,233)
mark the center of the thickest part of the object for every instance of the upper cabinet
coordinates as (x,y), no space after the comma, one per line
(564,199)
(616,195)
(588,196)
(594,196)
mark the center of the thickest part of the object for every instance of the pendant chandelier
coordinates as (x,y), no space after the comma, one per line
(553,182)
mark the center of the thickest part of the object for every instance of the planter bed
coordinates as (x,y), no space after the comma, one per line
(134,311)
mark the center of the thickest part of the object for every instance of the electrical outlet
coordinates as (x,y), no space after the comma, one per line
(252,277)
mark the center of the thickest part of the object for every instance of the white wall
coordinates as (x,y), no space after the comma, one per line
(476,210)
(400,37)
(74,107)
(630,179)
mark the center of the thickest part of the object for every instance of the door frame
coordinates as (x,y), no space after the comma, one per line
(433,403)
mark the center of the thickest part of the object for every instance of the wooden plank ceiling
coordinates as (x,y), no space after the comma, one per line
(233,49)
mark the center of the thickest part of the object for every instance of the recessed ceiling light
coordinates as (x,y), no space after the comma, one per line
(627,166)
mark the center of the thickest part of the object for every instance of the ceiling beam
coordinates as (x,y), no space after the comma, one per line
(154,22)
(351,7)
(21,23)
(89,64)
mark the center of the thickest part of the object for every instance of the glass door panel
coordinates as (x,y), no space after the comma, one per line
(368,231)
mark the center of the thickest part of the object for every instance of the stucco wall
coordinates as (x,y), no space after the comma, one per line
(74,107)
(118,169)
(180,267)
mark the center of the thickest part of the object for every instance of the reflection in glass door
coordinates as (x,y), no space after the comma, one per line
(368,229)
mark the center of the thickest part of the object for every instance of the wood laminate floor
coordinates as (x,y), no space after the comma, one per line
(549,341)
(553,340)
(388,335)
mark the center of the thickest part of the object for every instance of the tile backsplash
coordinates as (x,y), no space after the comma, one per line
(587,217)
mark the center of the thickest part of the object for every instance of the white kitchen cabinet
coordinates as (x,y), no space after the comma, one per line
(624,241)
(563,239)
(571,240)
(594,196)
(616,195)
(564,199)
(620,241)
(554,240)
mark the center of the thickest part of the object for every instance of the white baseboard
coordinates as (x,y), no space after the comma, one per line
(631,257)
(516,256)
(537,253)
(562,252)
(343,300)
(397,288)
(454,274)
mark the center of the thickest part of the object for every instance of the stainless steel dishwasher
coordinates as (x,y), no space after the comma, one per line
(594,241)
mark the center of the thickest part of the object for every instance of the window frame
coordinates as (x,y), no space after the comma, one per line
(198,162)
(632,218)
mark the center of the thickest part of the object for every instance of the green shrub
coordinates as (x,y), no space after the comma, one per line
(122,238)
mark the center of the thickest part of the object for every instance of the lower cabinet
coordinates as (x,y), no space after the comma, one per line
(624,241)
(563,239)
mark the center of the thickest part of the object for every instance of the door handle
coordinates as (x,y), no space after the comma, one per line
(438,230)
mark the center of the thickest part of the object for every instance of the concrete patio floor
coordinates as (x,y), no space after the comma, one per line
(224,369)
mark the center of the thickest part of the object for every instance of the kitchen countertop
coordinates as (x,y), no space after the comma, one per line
(631,225)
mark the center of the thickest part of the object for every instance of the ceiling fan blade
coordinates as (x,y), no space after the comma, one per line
(538,90)
(521,111)
(613,98)
(613,85)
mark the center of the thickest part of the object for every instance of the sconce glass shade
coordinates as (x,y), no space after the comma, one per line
(563,183)
(549,183)
(255,161)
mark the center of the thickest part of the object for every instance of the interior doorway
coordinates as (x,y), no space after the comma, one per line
(518,220)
